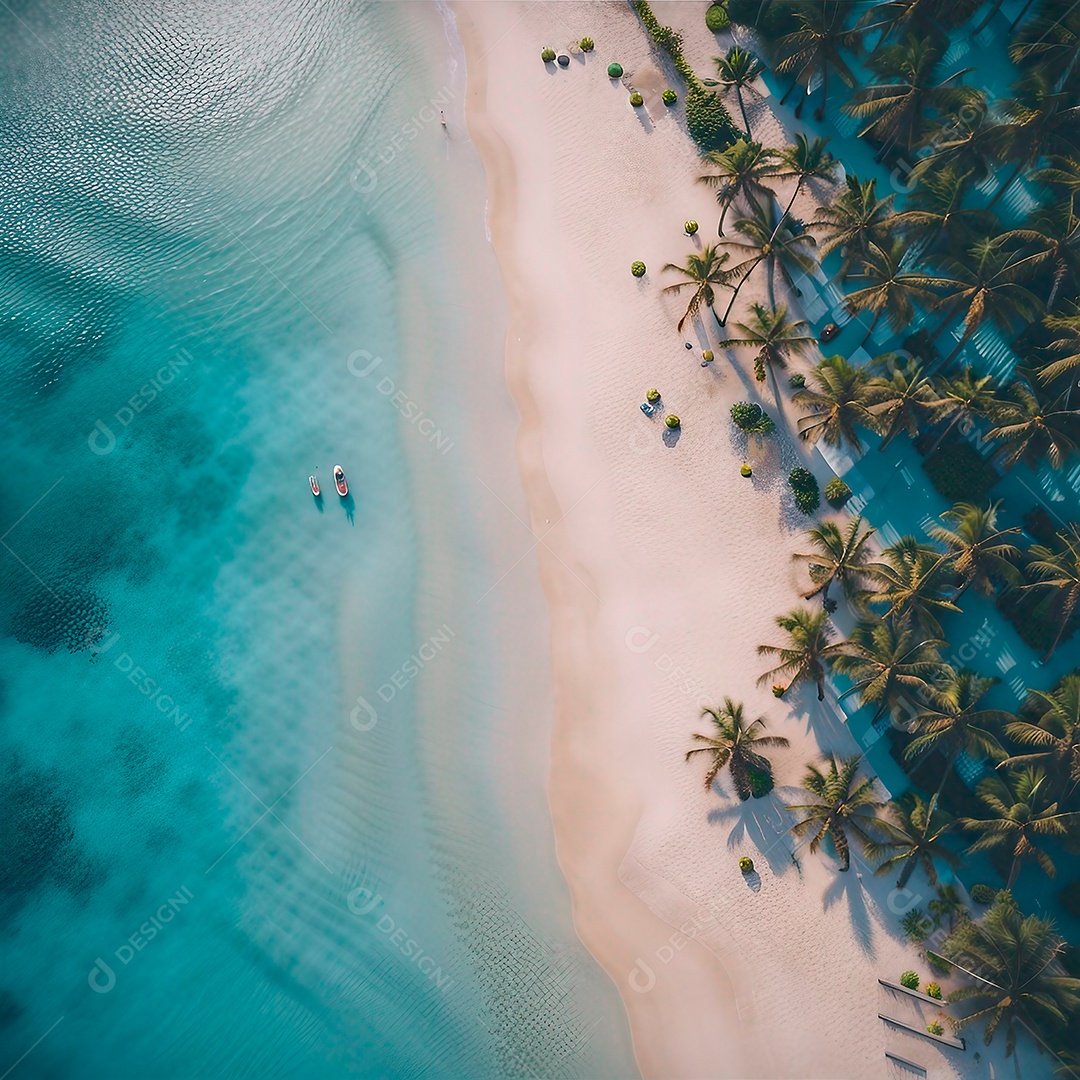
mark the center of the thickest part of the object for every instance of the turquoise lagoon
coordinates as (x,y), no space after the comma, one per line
(225,852)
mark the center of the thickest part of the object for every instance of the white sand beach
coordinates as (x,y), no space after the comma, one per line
(663,570)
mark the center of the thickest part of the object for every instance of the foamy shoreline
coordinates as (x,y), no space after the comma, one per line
(663,569)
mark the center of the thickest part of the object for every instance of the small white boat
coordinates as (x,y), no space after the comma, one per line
(314,486)
(340,482)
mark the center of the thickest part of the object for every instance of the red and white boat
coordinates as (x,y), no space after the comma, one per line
(314,486)
(340,482)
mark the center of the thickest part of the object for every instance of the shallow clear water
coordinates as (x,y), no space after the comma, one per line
(214,865)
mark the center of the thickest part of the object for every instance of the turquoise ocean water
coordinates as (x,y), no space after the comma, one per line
(216,862)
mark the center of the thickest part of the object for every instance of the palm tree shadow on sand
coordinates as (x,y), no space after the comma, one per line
(762,823)
(848,885)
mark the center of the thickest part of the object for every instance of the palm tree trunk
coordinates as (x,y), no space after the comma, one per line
(787,92)
(791,201)
(1004,187)
(995,7)
(735,292)
(1023,12)
(742,107)
(873,326)
(959,345)
(1013,871)
(905,874)
(819,113)
(944,435)
(723,214)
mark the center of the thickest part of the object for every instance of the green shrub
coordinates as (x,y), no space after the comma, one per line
(837,492)
(746,470)
(935,1027)
(636,99)
(670,40)
(910,979)
(708,122)
(933,989)
(637,269)
(982,894)
(761,781)
(672,421)
(716,18)
(547,55)
(750,417)
(804,486)
(916,925)
(690,227)
(615,71)
(669,96)
(796,381)
(778,691)
(586,44)
(746,864)
(652,396)
(960,472)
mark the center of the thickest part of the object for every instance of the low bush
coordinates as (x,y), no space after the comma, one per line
(910,979)
(982,894)
(716,18)
(960,472)
(586,44)
(745,470)
(637,268)
(669,96)
(672,421)
(746,864)
(547,55)
(614,71)
(690,227)
(933,989)
(935,1027)
(708,122)
(652,396)
(916,925)
(707,356)
(636,99)
(837,492)
(750,417)
(804,486)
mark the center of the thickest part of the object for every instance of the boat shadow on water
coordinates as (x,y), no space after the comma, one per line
(348,504)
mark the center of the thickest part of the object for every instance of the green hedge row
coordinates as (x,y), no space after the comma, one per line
(709,123)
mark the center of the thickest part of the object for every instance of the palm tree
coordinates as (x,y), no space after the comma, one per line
(805,160)
(837,402)
(1020,820)
(1050,43)
(964,140)
(771,241)
(842,557)
(892,290)
(984,286)
(735,743)
(775,335)
(953,724)
(1039,122)
(949,906)
(1055,739)
(896,106)
(936,209)
(890,666)
(1031,429)
(1066,345)
(1012,962)
(902,402)
(839,807)
(1058,572)
(738,68)
(815,49)
(921,14)
(1063,171)
(1052,237)
(914,584)
(914,837)
(854,221)
(977,548)
(804,656)
(962,399)
(703,273)
(743,169)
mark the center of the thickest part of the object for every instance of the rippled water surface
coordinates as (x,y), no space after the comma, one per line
(211,866)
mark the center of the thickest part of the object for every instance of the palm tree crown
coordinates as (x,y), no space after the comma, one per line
(806,652)
(775,335)
(840,806)
(738,68)
(735,743)
(838,401)
(915,829)
(843,557)
(1055,739)
(1031,428)
(978,549)
(704,273)
(743,169)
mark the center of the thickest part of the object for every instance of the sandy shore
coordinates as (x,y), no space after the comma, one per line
(663,569)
